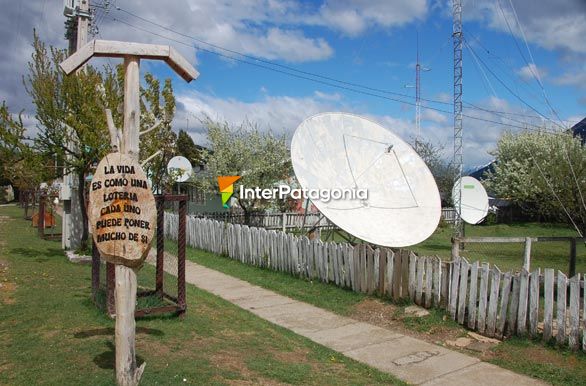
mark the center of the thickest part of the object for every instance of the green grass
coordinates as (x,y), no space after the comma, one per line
(510,255)
(52,334)
(533,358)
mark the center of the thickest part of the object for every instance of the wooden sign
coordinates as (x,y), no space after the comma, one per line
(122,210)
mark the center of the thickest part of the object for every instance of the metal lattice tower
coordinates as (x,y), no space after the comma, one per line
(458,159)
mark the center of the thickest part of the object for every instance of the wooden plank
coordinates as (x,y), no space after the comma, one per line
(405,273)
(428,281)
(512,316)
(472,295)
(390,272)
(561,308)
(463,290)
(505,295)
(419,282)
(375,269)
(412,276)
(534,301)
(445,283)
(352,264)
(494,239)
(361,271)
(548,289)
(347,256)
(454,281)
(381,256)
(437,284)
(483,297)
(397,268)
(574,335)
(491,317)
(333,263)
(523,297)
(370,281)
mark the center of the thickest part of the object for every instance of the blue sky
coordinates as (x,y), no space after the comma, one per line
(370,43)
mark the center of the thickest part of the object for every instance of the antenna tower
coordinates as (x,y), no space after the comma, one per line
(458,159)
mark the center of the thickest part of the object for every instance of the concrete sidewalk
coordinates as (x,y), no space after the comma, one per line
(412,360)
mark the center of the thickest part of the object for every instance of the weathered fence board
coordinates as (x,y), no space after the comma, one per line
(428,281)
(574,317)
(463,290)
(493,301)
(523,296)
(478,296)
(548,285)
(506,293)
(561,308)
(472,297)
(534,301)
(455,279)
(483,297)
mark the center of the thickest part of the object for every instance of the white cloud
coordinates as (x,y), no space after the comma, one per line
(281,114)
(550,24)
(577,79)
(433,116)
(532,71)
(353,17)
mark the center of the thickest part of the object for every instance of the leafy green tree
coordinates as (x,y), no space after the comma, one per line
(442,169)
(71,114)
(260,158)
(544,173)
(187,148)
(20,165)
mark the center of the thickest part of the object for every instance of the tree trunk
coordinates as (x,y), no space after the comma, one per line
(81,198)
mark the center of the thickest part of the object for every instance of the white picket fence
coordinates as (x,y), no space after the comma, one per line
(476,295)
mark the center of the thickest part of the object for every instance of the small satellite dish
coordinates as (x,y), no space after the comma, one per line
(474,200)
(182,166)
(344,151)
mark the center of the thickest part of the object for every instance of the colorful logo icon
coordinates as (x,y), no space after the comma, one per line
(226,184)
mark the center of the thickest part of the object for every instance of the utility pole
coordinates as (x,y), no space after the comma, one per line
(79,18)
(458,158)
(83,23)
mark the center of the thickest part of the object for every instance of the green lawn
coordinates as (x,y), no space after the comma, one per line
(52,334)
(554,365)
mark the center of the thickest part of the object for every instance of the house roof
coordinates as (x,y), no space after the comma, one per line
(579,129)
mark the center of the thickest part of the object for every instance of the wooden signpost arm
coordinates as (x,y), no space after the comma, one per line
(127,142)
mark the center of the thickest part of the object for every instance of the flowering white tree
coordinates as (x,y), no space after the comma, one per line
(259,157)
(544,172)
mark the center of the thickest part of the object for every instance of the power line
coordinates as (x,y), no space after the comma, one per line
(330,84)
(272,63)
(509,89)
(533,69)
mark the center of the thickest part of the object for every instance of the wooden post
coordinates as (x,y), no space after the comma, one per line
(132,257)
(527,254)
(127,373)
(455,248)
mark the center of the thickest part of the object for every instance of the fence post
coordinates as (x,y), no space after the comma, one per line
(527,254)
(455,248)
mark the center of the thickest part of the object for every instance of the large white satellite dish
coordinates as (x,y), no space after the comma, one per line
(474,200)
(339,150)
(182,166)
